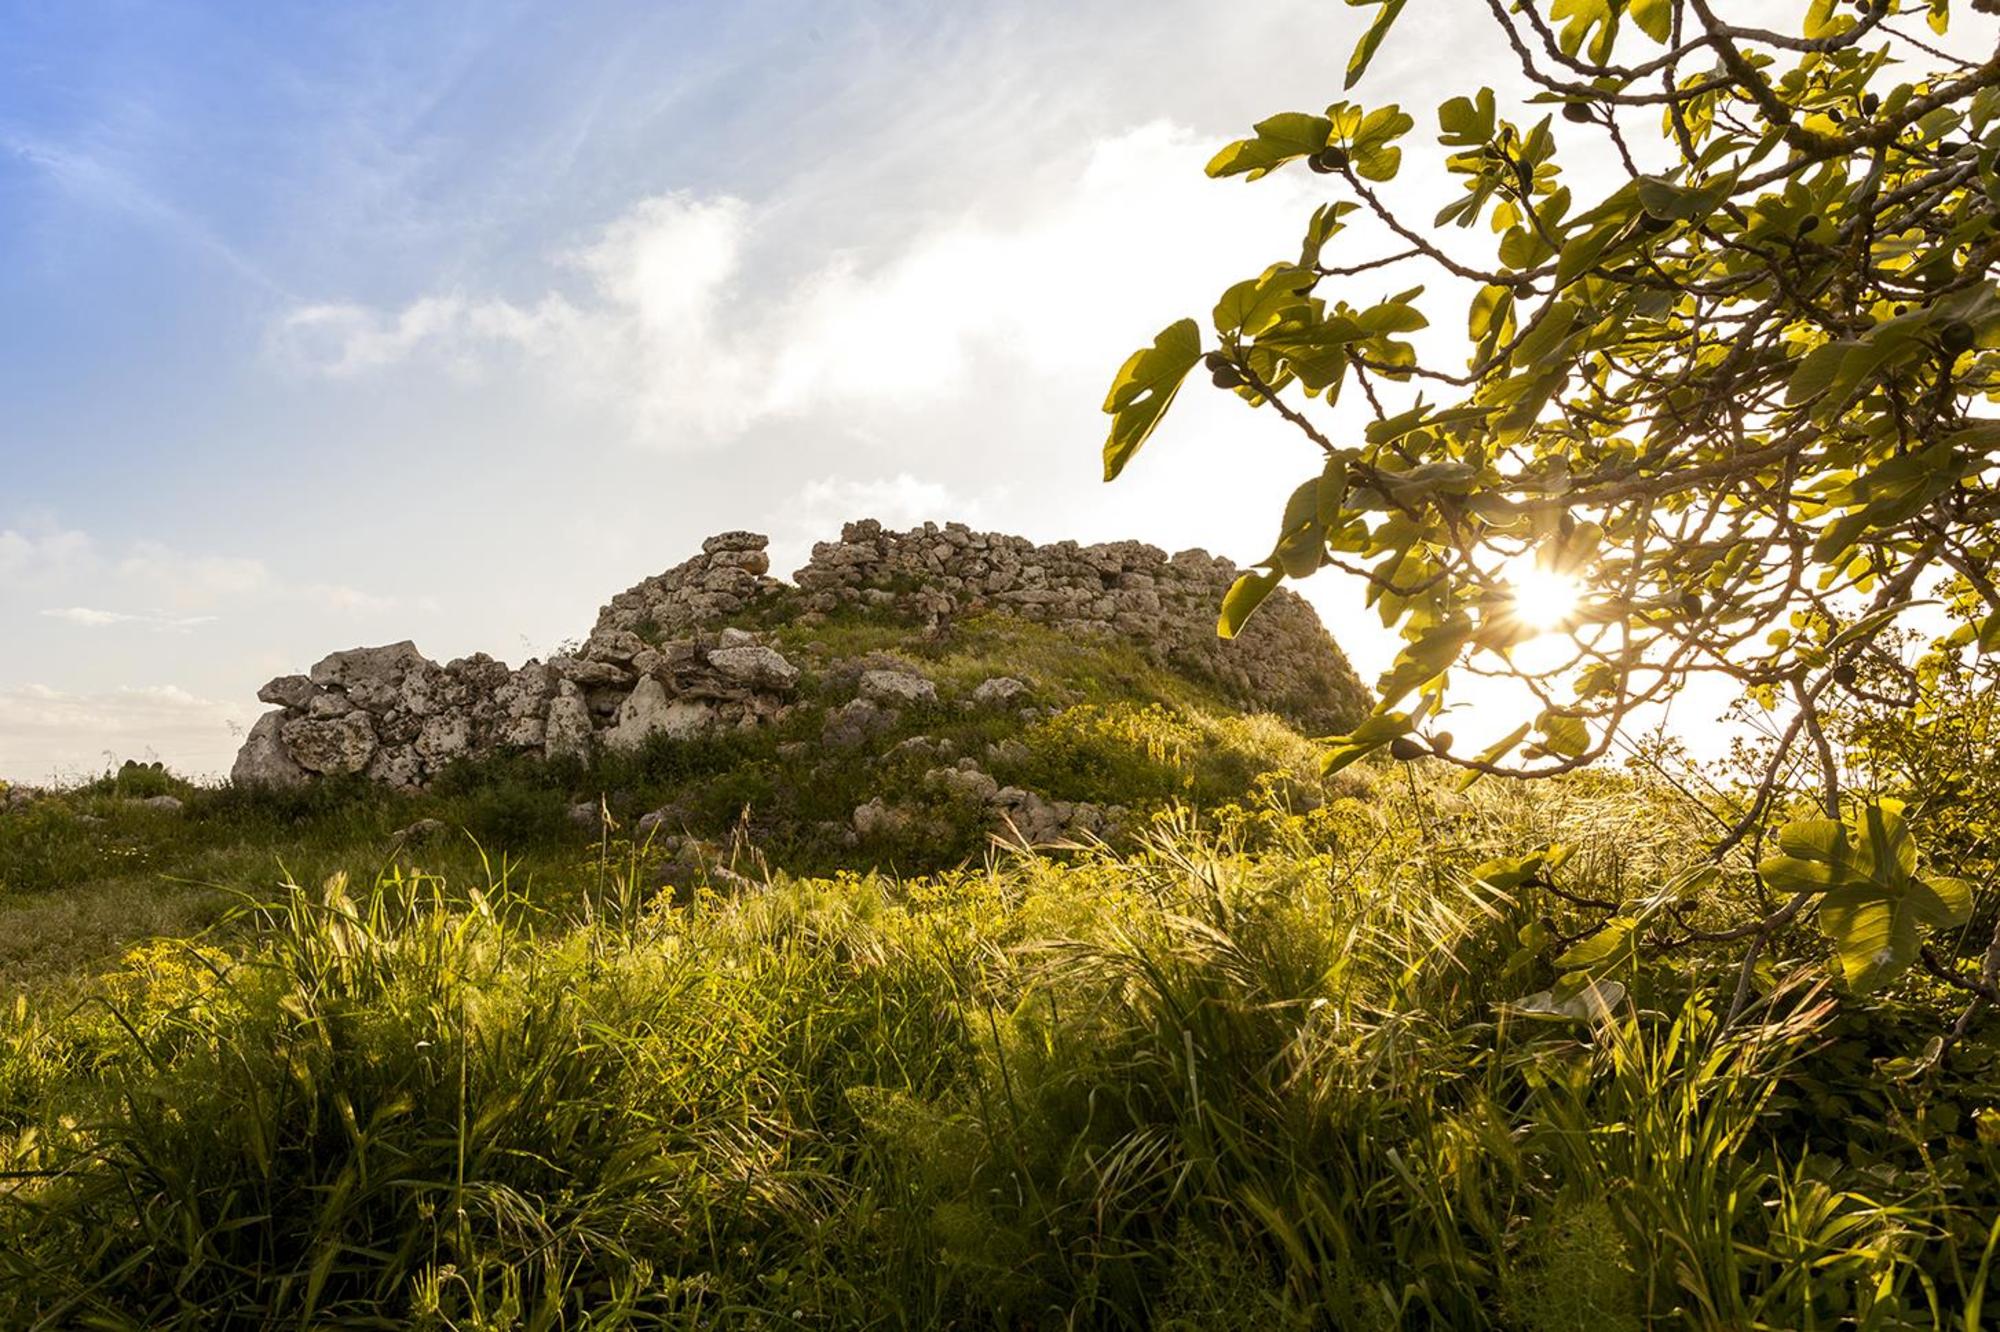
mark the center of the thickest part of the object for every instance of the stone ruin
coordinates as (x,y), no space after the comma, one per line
(673,656)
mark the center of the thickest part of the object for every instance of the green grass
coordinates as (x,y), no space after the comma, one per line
(1254,1072)
(1251,1064)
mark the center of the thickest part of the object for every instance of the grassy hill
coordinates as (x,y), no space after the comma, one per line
(1252,1057)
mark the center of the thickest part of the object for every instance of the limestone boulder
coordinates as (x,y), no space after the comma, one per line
(443,738)
(566,735)
(288,691)
(640,717)
(331,746)
(371,676)
(687,718)
(754,666)
(614,645)
(397,766)
(264,761)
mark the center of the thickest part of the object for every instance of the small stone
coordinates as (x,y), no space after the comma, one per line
(666,817)
(1011,752)
(966,783)
(879,819)
(850,727)
(165,804)
(423,830)
(328,705)
(998,691)
(897,687)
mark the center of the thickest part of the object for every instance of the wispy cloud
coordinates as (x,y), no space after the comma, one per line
(181,587)
(91,618)
(50,732)
(39,552)
(99,182)
(682,324)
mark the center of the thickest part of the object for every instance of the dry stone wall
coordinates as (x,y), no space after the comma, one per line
(671,657)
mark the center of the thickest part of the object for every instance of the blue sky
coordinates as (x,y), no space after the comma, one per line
(332,324)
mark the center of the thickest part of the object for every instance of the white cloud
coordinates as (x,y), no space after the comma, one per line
(177,587)
(182,580)
(691,328)
(52,734)
(91,618)
(25,554)
(901,500)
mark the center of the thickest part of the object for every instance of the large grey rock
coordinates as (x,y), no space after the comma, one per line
(687,718)
(371,676)
(443,738)
(640,717)
(331,746)
(754,666)
(592,674)
(397,766)
(521,733)
(614,645)
(427,690)
(264,760)
(567,732)
(288,691)
(897,687)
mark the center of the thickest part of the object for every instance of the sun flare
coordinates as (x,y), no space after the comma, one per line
(1543,599)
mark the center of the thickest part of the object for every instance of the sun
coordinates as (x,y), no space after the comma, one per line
(1543,599)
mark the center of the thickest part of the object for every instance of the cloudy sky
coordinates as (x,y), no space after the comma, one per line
(338,324)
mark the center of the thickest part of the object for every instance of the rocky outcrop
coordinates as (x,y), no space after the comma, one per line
(673,657)
(400,718)
(1283,661)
